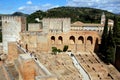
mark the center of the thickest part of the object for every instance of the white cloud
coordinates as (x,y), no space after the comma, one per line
(21,8)
(110,5)
(29,2)
(48,6)
(31,8)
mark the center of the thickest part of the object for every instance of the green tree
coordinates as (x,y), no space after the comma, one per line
(103,46)
(0,36)
(110,52)
(116,31)
(65,48)
(110,55)
(38,14)
(75,13)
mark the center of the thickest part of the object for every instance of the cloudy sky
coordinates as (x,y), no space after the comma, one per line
(29,6)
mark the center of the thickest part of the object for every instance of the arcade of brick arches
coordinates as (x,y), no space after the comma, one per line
(77,41)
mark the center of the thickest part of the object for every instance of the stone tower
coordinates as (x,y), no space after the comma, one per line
(56,25)
(103,18)
(11,28)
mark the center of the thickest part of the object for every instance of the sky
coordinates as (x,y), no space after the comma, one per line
(30,6)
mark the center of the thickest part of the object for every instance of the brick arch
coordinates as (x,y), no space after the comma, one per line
(89,40)
(52,39)
(72,39)
(60,40)
(80,40)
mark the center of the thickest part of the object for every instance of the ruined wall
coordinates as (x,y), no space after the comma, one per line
(11,27)
(56,25)
(26,67)
(76,40)
(34,27)
(34,41)
(56,33)
(29,40)
(42,42)
(12,51)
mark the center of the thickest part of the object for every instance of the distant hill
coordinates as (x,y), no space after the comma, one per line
(19,14)
(83,14)
(15,14)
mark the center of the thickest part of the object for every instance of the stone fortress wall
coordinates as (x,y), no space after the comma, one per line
(51,32)
(11,28)
(56,24)
(57,32)
(34,26)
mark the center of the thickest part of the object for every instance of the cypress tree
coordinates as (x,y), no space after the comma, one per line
(110,51)
(110,38)
(103,46)
(116,31)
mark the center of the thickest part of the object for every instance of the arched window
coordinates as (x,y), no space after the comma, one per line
(89,40)
(72,40)
(53,39)
(80,40)
(60,40)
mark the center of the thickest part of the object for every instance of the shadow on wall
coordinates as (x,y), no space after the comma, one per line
(117,58)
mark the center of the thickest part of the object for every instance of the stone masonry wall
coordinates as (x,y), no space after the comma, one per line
(11,27)
(34,27)
(56,25)
(76,40)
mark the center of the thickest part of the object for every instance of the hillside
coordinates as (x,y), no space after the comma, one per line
(19,14)
(83,14)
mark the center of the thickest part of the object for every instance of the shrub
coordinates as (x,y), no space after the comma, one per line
(59,50)
(54,50)
(65,48)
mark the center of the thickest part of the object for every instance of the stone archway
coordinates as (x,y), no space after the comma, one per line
(72,40)
(52,39)
(89,40)
(80,40)
(60,40)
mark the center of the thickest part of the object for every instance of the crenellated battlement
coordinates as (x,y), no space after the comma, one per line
(56,25)
(11,18)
